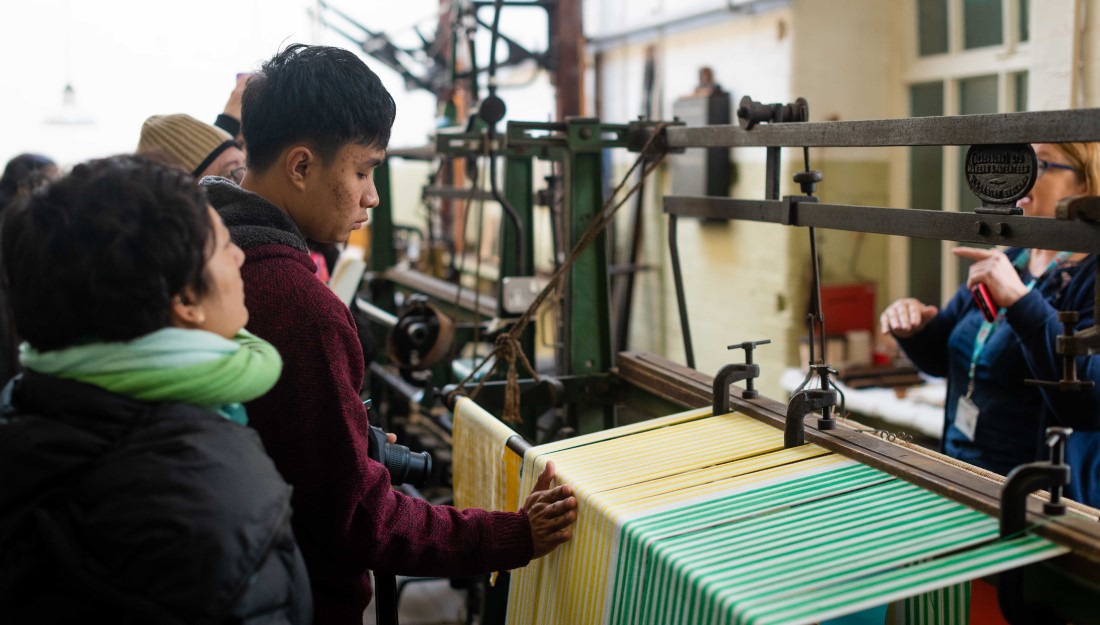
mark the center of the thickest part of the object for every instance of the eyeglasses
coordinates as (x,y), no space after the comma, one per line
(1045,165)
(237,174)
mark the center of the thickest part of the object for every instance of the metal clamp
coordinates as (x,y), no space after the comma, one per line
(737,372)
(1083,208)
(810,400)
(1021,482)
(1069,345)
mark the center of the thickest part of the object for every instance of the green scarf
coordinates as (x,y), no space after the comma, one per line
(172,364)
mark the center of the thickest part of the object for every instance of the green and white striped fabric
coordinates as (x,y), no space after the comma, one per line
(946,606)
(700,519)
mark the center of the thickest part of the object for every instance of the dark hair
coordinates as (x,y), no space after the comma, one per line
(324,96)
(99,254)
(22,173)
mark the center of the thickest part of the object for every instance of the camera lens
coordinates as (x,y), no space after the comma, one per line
(404,466)
(407,467)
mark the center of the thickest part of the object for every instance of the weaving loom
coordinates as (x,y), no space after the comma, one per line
(697,518)
(700,518)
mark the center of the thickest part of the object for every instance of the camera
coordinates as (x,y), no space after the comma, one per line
(405,466)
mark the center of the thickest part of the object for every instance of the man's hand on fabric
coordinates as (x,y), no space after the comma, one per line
(550,511)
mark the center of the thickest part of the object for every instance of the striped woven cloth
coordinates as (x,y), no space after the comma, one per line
(486,474)
(693,518)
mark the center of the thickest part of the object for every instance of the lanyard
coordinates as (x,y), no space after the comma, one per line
(988,326)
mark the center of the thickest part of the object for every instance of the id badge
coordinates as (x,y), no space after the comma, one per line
(966,417)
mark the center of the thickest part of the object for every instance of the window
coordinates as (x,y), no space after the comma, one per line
(932,26)
(925,192)
(1019,81)
(976,96)
(968,57)
(983,22)
(1022,8)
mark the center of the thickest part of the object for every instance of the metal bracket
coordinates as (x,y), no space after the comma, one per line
(790,215)
(750,112)
(1069,346)
(731,373)
(640,130)
(1079,207)
(810,400)
(1021,482)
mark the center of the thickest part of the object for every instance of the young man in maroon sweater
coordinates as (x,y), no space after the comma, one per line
(316,122)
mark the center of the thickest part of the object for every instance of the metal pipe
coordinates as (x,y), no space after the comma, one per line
(457,193)
(624,295)
(1030,127)
(517,444)
(1017,230)
(375,313)
(681,301)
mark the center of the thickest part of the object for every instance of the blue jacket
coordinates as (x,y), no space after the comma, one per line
(1012,415)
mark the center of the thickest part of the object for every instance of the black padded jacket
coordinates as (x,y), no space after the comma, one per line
(121,511)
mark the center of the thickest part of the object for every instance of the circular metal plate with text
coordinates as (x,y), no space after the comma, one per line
(1001,174)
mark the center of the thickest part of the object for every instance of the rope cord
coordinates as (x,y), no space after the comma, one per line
(507,347)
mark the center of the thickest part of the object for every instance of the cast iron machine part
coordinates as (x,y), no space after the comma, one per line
(810,400)
(736,372)
(750,112)
(1021,482)
(421,337)
(1069,344)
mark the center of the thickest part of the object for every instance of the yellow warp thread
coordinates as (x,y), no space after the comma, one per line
(693,507)
(484,475)
(591,601)
(618,473)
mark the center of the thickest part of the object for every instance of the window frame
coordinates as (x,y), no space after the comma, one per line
(1005,61)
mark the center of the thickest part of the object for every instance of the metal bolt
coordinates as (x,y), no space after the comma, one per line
(586,133)
(981,228)
(1002,229)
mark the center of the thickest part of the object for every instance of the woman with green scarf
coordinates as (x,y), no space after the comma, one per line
(131,488)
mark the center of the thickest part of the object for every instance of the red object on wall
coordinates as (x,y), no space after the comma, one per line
(848,307)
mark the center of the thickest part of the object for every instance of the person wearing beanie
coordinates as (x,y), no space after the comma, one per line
(195,146)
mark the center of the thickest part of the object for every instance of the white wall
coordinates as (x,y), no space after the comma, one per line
(1052,75)
(749,281)
(738,277)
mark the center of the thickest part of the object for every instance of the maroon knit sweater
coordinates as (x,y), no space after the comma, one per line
(347,518)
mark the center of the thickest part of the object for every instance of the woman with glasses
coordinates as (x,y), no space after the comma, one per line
(992,418)
(194,146)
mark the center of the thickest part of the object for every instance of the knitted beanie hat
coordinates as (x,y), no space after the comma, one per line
(191,143)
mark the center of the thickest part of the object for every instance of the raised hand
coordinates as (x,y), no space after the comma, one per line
(906,317)
(993,269)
